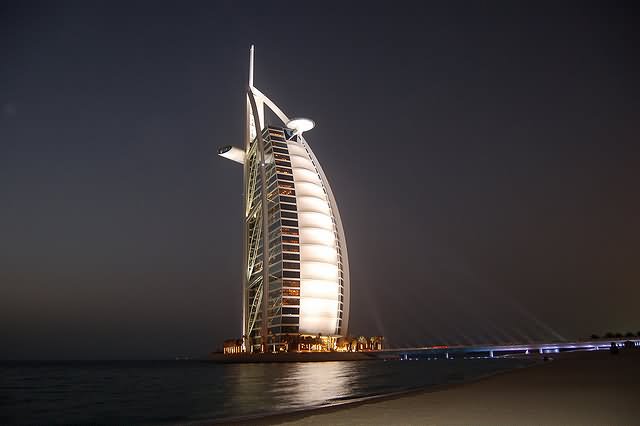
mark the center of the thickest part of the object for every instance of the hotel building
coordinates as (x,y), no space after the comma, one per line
(295,270)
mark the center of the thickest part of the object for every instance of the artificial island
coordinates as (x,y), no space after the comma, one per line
(295,270)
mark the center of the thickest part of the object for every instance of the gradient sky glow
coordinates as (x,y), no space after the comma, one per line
(485,159)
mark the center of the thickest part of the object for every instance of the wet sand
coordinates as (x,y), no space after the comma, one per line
(585,388)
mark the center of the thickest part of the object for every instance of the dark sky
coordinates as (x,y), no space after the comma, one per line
(486,161)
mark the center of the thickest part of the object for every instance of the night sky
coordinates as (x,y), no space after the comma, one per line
(485,159)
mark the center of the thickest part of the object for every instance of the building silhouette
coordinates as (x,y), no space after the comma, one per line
(295,264)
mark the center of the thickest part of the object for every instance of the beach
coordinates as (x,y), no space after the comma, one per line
(581,388)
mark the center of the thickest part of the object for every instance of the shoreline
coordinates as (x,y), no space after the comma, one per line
(574,388)
(583,387)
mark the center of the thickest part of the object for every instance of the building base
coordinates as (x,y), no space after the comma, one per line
(291,357)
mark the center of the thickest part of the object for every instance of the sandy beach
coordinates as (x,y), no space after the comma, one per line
(586,388)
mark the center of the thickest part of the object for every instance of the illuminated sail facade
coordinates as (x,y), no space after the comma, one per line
(295,269)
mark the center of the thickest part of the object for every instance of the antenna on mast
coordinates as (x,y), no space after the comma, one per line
(251,66)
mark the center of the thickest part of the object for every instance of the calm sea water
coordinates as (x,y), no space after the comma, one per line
(168,392)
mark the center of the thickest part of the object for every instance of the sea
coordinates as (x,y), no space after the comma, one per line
(196,392)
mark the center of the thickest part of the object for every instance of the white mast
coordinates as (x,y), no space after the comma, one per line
(251,66)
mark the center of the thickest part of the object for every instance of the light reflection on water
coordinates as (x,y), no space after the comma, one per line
(315,383)
(290,385)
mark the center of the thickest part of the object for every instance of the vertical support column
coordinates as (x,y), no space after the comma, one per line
(245,232)
(265,225)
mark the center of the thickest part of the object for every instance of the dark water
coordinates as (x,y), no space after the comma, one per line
(165,392)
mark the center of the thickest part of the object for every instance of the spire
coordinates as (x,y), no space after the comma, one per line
(251,66)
